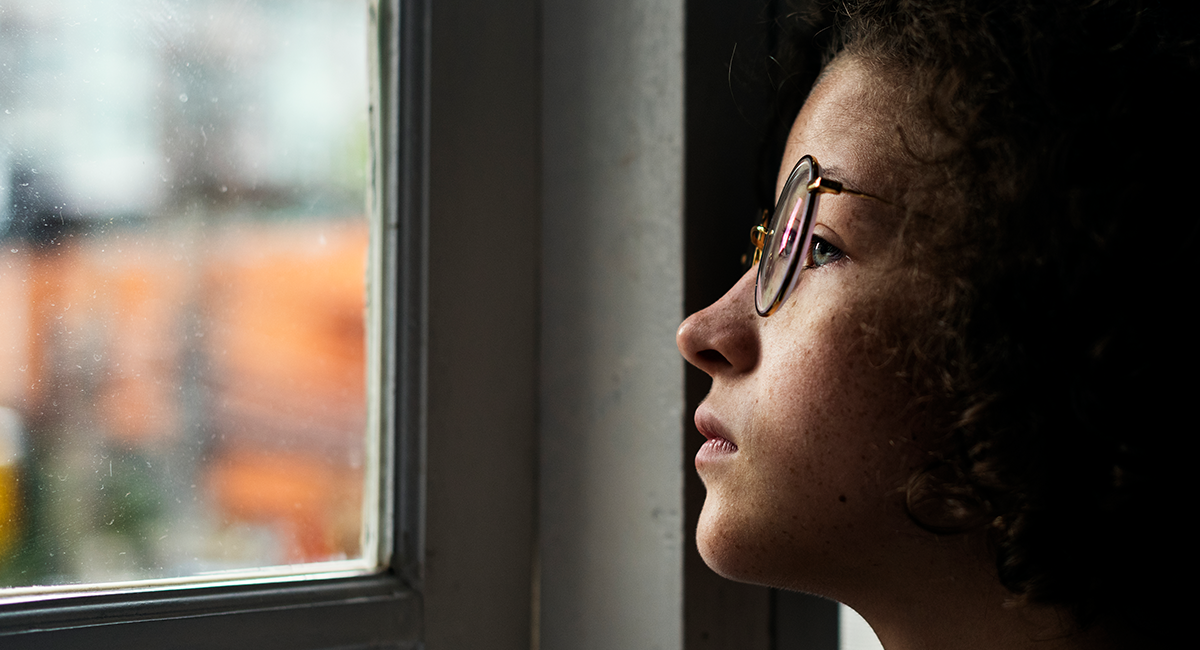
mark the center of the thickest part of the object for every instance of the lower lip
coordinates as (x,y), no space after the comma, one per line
(715,448)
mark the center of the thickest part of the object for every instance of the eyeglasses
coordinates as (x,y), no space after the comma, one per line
(785,235)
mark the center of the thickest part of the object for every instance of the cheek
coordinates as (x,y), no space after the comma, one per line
(819,478)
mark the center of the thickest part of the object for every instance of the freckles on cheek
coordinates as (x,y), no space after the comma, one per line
(846,437)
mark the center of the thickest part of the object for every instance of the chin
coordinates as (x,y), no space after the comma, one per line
(738,545)
(717,548)
(732,551)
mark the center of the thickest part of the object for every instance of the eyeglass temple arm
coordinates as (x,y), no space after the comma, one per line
(822,185)
(819,185)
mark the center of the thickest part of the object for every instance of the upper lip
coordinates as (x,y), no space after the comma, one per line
(709,426)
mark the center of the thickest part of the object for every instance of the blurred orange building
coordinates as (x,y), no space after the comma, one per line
(244,344)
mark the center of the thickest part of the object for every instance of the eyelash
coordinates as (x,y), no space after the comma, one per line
(834,253)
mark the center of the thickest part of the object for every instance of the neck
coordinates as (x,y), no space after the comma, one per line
(952,600)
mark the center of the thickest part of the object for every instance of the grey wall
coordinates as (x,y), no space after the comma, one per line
(611,513)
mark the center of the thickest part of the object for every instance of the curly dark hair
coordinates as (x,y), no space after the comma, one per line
(1055,247)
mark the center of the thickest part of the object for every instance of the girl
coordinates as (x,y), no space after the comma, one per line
(952,392)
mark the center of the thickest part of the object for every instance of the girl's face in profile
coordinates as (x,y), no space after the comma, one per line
(808,444)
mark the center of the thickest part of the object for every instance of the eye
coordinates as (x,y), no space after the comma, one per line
(822,252)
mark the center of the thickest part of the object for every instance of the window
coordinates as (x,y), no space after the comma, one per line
(241,181)
(184,276)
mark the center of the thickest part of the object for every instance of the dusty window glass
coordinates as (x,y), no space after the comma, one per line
(183,272)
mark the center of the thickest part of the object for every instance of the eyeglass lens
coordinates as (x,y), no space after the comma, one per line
(787,239)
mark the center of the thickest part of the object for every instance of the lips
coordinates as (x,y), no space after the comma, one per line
(718,446)
(718,443)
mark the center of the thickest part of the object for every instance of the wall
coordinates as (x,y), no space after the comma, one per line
(611,414)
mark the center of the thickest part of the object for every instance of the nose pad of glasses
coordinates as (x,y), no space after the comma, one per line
(758,239)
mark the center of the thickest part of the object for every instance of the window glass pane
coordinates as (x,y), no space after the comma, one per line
(183,265)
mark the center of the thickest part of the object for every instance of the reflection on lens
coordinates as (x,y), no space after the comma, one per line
(787,232)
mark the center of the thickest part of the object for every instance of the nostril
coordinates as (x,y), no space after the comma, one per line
(713,357)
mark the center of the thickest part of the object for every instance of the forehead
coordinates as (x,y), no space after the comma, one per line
(850,125)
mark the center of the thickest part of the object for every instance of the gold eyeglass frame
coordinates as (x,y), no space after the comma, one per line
(759,234)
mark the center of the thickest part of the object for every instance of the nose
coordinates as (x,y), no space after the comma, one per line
(723,338)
